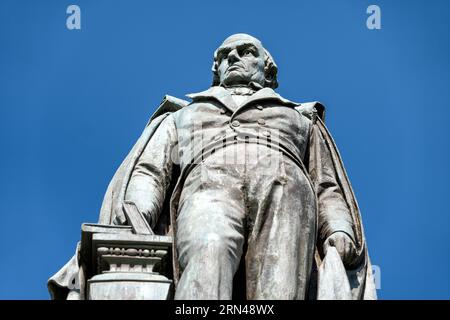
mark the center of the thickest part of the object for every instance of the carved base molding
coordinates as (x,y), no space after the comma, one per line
(122,265)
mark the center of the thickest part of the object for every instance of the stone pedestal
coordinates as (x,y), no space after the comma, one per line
(130,286)
(121,265)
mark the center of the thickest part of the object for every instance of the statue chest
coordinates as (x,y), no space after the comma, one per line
(204,124)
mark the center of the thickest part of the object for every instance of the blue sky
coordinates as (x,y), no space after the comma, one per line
(72,103)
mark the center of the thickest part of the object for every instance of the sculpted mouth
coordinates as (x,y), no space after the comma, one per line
(234,67)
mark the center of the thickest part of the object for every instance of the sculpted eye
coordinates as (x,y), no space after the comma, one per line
(222,55)
(248,52)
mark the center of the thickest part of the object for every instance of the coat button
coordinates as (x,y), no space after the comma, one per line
(259,107)
(262,121)
(222,111)
(235,123)
(266,133)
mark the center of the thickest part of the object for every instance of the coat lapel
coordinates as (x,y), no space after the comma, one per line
(267,94)
(218,93)
(222,95)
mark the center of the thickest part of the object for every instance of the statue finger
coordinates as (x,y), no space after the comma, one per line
(348,251)
(329,242)
(340,247)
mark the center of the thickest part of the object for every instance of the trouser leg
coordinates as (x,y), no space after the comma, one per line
(282,236)
(210,234)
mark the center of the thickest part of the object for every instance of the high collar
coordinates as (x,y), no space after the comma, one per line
(223,96)
(241,91)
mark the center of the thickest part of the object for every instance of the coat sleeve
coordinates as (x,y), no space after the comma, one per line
(334,213)
(150,178)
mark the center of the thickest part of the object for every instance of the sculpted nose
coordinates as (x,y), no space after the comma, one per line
(233,56)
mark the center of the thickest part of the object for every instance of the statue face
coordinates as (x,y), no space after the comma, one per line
(240,61)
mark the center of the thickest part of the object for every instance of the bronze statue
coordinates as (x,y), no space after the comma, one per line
(246,182)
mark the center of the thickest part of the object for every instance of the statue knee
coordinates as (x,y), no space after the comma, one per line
(211,244)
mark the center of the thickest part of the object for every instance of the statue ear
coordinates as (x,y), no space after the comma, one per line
(216,80)
(214,69)
(270,73)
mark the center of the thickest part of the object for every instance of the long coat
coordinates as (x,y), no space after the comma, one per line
(337,209)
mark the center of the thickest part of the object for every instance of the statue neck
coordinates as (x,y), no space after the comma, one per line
(243,90)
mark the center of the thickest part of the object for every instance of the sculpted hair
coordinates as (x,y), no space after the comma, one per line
(270,69)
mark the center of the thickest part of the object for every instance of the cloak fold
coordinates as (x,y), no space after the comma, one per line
(360,276)
(66,282)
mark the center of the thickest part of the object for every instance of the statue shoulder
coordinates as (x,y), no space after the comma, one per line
(311,110)
(169,104)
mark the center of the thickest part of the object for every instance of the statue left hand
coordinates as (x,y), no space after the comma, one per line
(344,246)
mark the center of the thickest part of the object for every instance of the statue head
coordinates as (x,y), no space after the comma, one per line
(240,60)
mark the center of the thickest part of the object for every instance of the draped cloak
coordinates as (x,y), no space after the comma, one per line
(328,280)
